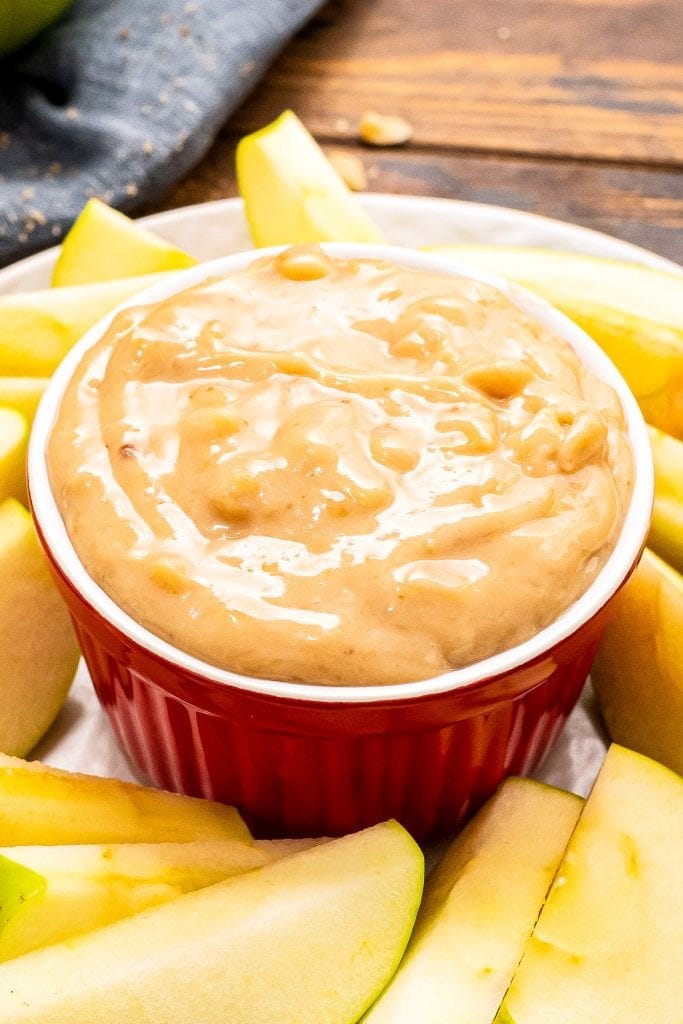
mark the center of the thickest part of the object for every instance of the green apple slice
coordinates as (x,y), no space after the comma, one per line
(13,443)
(666,531)
(52,893)
(46,806)
(104,245)
(23,394)
(479,908)
(607,947)
(638,671)
(21,20)
(19,887)
(292,193)
(311,938)
(37,329)
(635,313)
(38,649)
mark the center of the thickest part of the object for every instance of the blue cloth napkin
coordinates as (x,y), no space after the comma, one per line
(120,99)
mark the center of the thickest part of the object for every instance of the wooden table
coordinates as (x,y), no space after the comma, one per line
(569,108)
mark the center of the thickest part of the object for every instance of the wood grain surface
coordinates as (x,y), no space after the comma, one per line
(570,108)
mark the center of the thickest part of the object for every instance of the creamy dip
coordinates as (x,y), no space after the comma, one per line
(339,471)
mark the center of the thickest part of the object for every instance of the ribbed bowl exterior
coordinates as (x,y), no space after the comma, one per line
(308,767)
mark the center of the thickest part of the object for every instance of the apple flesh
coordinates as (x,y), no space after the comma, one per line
(22,394)
(666,531)
(313,937)
(292,193)
(38,649)
(52,893)
(635,314)
(479,908)
(13,443)
(45,806)
(104,244)
(607,947)
(638,671)
(37,329)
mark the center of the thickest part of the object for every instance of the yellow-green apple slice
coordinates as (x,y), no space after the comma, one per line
(104,244)
(37,329)
(13,443)
(19,887)
(22,394)
(666,532)
(313,937)
(479,908)
(607,947)
(52,893)
(292,193)
(635,313)
(38,650)
(638,672)
(40,805)
(20,20)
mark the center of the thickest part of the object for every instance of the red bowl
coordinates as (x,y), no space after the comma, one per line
(301,759)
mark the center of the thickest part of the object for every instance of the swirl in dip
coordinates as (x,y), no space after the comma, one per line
(339,471)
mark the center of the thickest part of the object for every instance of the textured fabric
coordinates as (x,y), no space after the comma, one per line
(120,99)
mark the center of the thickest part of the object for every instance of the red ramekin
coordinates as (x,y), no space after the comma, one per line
(302,759)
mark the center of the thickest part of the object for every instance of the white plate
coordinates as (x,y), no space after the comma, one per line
(216,229)
(81,739)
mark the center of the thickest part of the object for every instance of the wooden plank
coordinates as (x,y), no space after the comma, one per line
(637,204)
(598,79)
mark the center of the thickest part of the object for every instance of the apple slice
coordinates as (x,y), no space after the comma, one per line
(37,329)
(19,885)
(22,394)
(291,191)
(666,532)
(23,19)
(311,938)
(635,314)
(607,947)
(13,443)
(479,908)
(104,244)
(638,672)
(38,649)
(52,893)
(46,806)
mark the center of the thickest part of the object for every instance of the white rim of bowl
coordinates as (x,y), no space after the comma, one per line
(611,576)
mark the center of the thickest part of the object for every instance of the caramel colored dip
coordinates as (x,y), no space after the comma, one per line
(339,471)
